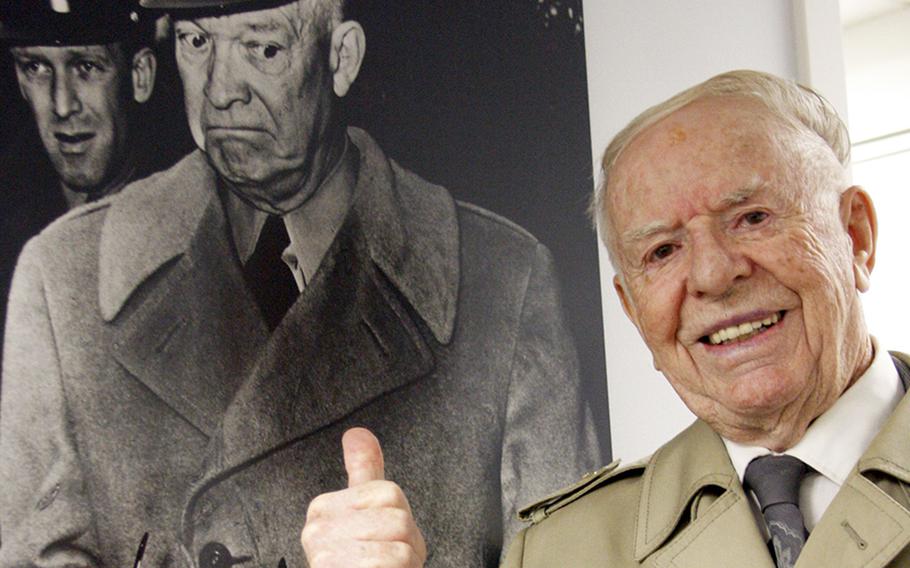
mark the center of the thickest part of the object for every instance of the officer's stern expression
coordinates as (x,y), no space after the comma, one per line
(742,250)
(258,93)
(79,97)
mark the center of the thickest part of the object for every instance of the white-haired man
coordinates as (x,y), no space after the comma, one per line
(183,359)
(741,249)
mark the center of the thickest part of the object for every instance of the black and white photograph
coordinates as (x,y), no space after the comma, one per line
(293,282)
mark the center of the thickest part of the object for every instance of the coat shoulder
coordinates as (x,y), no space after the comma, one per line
(136,195)
(600,480)
(477,214)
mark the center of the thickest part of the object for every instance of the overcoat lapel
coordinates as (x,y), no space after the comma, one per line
(178,333)
(693,512)
(347,341)
(868,522)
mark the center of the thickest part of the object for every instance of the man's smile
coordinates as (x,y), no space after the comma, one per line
(738,332)
(74,143)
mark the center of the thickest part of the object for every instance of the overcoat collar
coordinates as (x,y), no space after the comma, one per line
(889,452)
(409,226)
(682,472)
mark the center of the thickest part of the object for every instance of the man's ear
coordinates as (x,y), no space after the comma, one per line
(627,305)
(346,55)
(143,74)
(858,215)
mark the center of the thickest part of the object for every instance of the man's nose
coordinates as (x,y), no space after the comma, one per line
(224,86)
(65,98)
(715,265)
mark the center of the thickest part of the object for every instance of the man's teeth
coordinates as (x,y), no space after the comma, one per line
(742,331)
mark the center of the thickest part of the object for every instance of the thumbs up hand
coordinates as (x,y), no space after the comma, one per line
(367,524)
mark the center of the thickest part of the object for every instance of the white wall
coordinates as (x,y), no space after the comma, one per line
(640,52)
(877,61)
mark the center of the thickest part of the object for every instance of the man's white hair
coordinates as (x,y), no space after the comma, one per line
(799,106)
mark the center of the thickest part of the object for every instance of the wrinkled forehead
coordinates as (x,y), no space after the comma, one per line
(710,136)
(703,159)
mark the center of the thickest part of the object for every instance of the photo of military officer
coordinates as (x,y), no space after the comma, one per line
(197,345)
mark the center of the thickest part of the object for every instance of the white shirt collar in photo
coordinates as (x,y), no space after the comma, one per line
(828,447)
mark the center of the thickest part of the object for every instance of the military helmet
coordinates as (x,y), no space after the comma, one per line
(70,22)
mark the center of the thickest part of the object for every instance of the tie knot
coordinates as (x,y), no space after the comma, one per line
(274,235)
(775,479)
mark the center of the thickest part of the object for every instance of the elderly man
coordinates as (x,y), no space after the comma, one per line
(741,249)
(84,67)
(183,358)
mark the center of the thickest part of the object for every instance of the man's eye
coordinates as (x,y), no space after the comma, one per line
(193,40)
(755,217)
(264,50)
(86,67)
(661,252)
(35,68)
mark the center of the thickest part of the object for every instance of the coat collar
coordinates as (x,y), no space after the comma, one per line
(133,245)
(888,453)
(411,231)
(680,470)
(410,228)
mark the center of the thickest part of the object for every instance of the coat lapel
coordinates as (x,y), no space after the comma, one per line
(178,333)
(868,523)
(693,511)
(347,341)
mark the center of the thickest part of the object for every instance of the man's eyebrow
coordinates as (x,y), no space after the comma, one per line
(738,197)
(103,55)
(741,195)
(269,26)
(646,231)
(24,56)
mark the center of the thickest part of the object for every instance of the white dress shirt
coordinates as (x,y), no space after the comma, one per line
(836,440)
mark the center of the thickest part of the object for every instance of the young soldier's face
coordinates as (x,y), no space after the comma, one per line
(79,97)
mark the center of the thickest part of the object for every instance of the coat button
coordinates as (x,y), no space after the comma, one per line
(216,555)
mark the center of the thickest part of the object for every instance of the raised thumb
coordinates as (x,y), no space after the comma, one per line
(362,456)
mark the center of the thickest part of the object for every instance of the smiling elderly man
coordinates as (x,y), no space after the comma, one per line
(741,249)
(184,358)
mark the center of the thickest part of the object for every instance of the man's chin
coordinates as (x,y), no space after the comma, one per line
(81,183)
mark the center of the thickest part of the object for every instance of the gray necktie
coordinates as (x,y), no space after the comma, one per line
(775,481)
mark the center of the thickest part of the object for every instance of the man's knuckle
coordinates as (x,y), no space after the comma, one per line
(390,494)
(321,559)
(318,506)
(399,523)
(314,531)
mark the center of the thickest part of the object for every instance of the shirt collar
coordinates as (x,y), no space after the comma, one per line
(311,227)
(827,446)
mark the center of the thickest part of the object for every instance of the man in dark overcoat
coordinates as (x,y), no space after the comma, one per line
(183,358)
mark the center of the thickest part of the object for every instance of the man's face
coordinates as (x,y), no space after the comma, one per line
(79,97)
(734,240)
(258,94)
